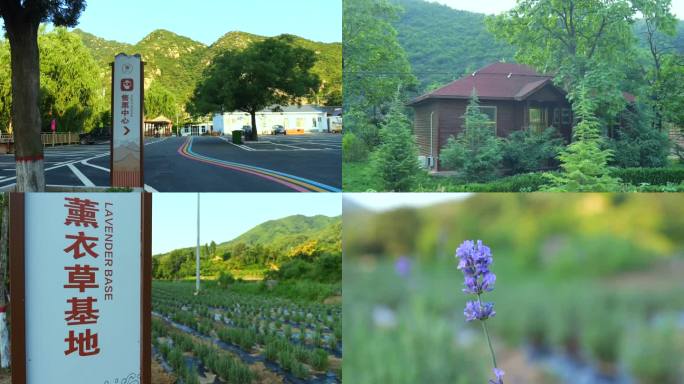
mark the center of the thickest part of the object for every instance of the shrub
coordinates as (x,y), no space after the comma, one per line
(225,279)
(353,148)
(529,151)
(357,122)
(638,144)
(476,152)
(584,162)
(655,357)
(652,176)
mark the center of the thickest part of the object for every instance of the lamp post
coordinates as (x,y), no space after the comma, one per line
(197,251)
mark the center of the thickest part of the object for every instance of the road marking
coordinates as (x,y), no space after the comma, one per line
(85,162)
(246,148)
(86,181)
(296,183)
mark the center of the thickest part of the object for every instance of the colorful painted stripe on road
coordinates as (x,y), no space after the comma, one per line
(296,183)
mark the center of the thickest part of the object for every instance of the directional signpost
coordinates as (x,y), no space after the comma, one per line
(127,116)
(80,275)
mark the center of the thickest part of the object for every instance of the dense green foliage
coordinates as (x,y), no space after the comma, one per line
(476,152)
(442,43)
(353,148)
(529,151)
(374,63)
(584,161)
(70,91)
(395,161)
(266,73)
(160,101)
(291,247)
(638,143)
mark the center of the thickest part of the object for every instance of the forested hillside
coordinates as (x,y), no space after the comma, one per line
(309,244)
(176,62)
(443,43)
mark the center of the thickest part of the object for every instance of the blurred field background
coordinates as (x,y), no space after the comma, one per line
(590,289)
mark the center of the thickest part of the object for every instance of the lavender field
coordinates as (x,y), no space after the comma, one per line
(588,290)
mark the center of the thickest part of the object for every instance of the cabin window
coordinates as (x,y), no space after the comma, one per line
(556,117)
(314,122)
(490,112)
(536,120)
(566,116)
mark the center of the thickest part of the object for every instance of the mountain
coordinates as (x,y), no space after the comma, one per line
(177,62)
(289,232)
(443,43)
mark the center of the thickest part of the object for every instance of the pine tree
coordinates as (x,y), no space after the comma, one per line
(584,162)
(476,152)
(395,162)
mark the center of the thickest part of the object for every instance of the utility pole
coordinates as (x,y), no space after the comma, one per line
(197,251)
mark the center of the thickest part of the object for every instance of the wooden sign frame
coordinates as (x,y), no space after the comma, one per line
(17,239)
(142,128)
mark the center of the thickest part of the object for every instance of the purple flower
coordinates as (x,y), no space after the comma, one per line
(474,260)
(403,266)
(476,310)
(499,373)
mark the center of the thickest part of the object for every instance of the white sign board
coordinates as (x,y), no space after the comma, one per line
(83,288)
(127,114)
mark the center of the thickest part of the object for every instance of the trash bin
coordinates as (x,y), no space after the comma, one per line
(237,137)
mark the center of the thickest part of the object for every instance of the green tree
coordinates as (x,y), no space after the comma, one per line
(71,92)
(395,161)
(270,72)
(570,38)
(160,101)
(5,88)
(476,152)
(22,20)
(658,22)
(584,162)
(374,63)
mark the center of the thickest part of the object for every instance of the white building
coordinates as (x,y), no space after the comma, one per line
(197,129)
(295,119)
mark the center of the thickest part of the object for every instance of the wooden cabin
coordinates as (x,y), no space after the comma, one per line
(514,96)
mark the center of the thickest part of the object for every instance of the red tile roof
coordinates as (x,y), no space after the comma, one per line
(499,81)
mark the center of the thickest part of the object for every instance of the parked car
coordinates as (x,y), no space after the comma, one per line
(246,131)
(96,135)
(278,130)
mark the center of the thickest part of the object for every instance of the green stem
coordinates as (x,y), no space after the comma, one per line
(486,332)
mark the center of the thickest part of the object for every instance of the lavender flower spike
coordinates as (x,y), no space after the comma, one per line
(474,259)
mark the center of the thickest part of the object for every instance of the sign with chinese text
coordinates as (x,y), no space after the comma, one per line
(83,279)
(127,115)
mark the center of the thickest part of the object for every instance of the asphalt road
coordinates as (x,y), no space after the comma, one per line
(205,164)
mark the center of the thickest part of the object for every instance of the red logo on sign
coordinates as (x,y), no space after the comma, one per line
(126,85)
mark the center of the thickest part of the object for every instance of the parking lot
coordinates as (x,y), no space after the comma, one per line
(206,164)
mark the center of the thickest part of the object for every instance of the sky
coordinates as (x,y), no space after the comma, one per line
(207,20)
(388,201)
(224,216)
(498,6)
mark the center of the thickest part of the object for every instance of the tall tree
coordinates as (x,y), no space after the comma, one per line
(270,72)
(70,88)
(160,101)
(395,162)
(570,38)
(5,88)
(374,64)
(22,19)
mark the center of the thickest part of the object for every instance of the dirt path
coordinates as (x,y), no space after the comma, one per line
(519,370)
(158,375)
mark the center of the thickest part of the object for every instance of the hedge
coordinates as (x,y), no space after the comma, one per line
(652,176)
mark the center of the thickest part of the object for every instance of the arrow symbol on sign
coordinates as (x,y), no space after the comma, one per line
(127,130)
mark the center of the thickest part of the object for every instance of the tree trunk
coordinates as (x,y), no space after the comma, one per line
(23,38)
(254,135)
(4,331)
